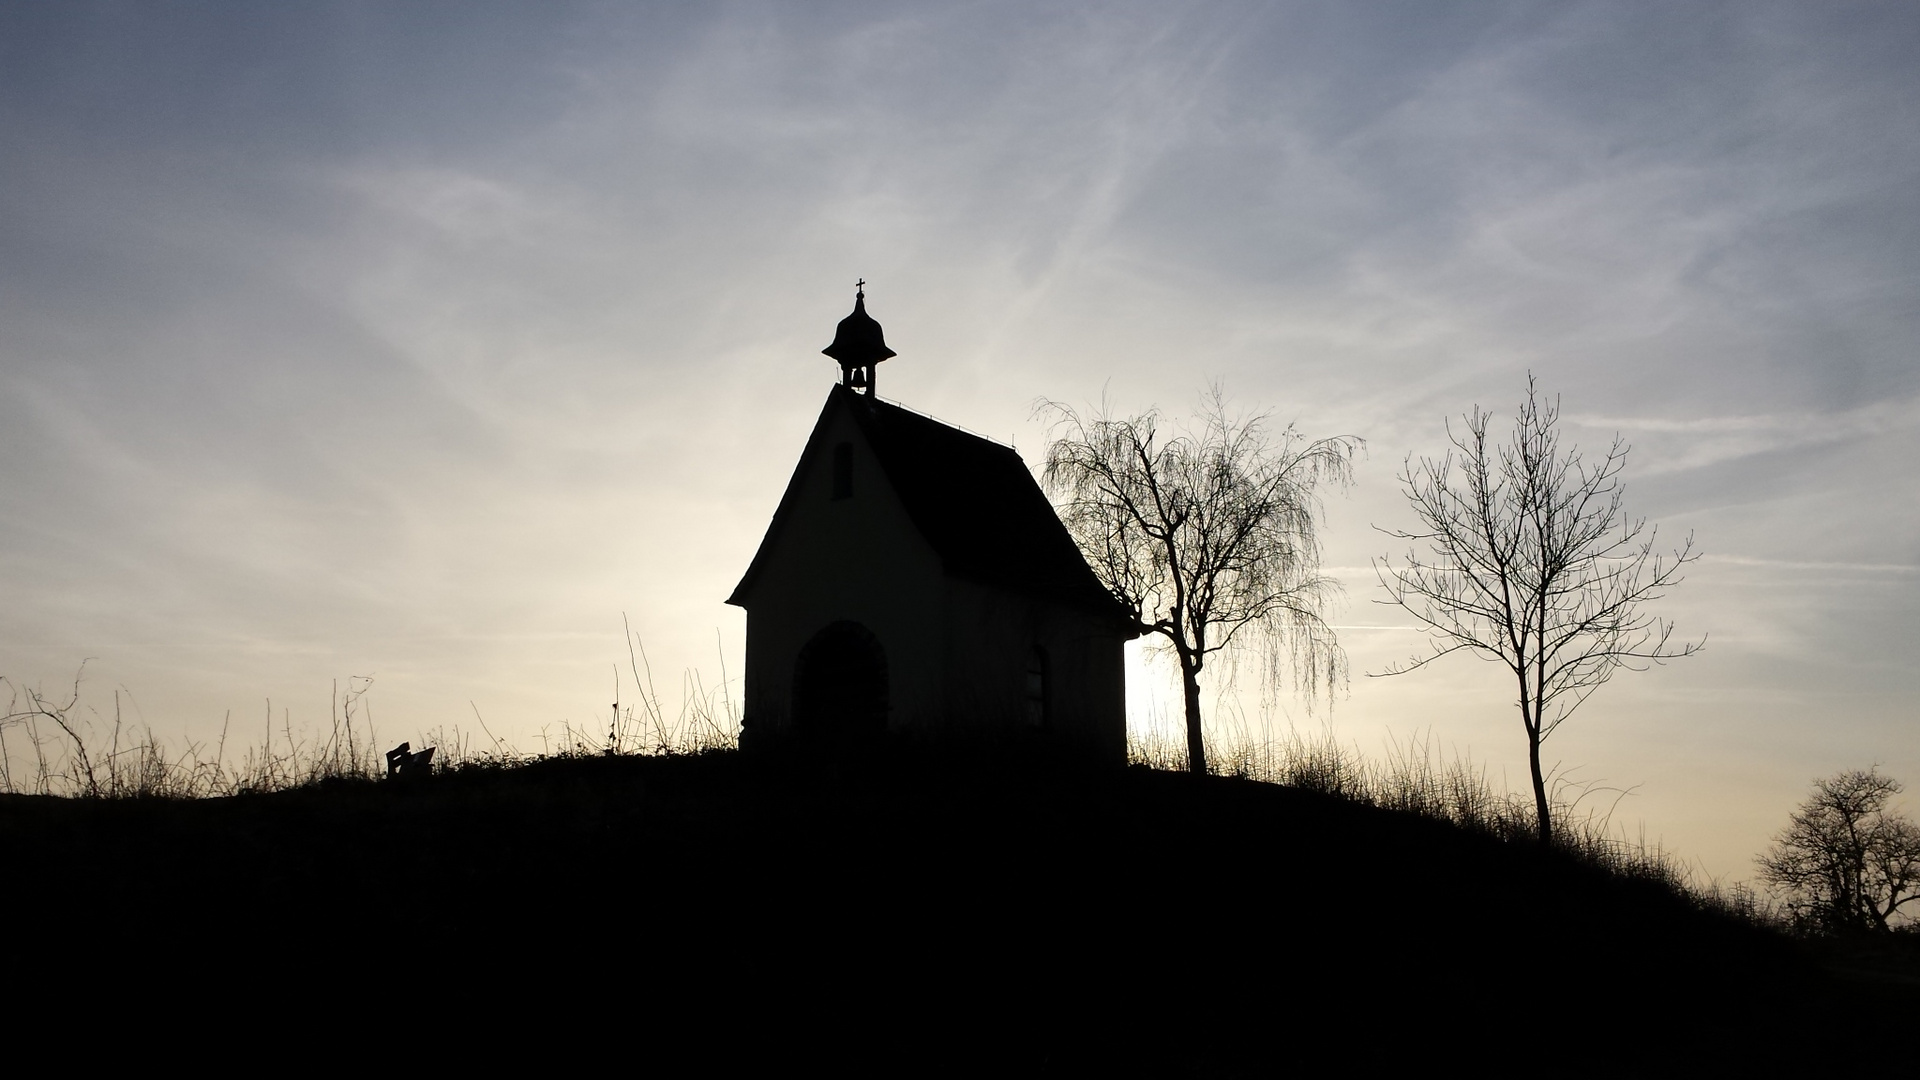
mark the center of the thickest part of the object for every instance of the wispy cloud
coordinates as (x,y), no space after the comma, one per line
(1697,442)
(1833,567)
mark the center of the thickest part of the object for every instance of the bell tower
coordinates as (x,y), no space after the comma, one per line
(858,344)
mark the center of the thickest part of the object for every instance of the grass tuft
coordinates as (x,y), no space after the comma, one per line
(56,745)
(1416,778)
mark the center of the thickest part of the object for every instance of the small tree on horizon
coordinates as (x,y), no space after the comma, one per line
(1846,862)
(1531,561)
(1208,534)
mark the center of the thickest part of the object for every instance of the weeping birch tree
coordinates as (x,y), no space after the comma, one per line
(1208,532)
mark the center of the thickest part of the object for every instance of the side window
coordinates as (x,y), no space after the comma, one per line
(843,470)
(1037,711)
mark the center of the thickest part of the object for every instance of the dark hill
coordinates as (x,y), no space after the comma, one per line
(920,910)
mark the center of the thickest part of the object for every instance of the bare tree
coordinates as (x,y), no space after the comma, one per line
(1210,536)
(1847,862)
(1530,560)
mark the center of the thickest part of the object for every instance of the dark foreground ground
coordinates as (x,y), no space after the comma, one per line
(908,914)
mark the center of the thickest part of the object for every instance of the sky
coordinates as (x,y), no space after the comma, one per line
(427,343)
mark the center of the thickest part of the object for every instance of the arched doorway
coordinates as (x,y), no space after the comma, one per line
(840,684)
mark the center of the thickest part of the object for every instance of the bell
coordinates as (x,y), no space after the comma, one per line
(859,380)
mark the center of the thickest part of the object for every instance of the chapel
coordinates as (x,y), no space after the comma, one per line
(915,579)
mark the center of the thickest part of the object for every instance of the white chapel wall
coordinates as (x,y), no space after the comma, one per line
(861,559)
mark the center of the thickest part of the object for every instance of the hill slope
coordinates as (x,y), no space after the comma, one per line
(926,909)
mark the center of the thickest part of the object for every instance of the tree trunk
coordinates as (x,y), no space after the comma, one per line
(1196,747)
(1530,719)
(1539,786)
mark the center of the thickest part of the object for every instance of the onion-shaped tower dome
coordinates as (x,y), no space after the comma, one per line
(858,343)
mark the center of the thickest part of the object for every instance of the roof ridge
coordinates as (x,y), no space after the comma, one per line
(947,423)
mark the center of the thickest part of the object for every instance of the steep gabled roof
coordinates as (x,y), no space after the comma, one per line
(973,501)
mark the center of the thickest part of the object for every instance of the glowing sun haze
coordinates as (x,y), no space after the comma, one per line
(423,341)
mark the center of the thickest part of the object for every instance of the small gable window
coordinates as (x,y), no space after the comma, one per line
(1037,687)
(843,470)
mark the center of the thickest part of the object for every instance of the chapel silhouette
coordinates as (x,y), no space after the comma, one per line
(914,579)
